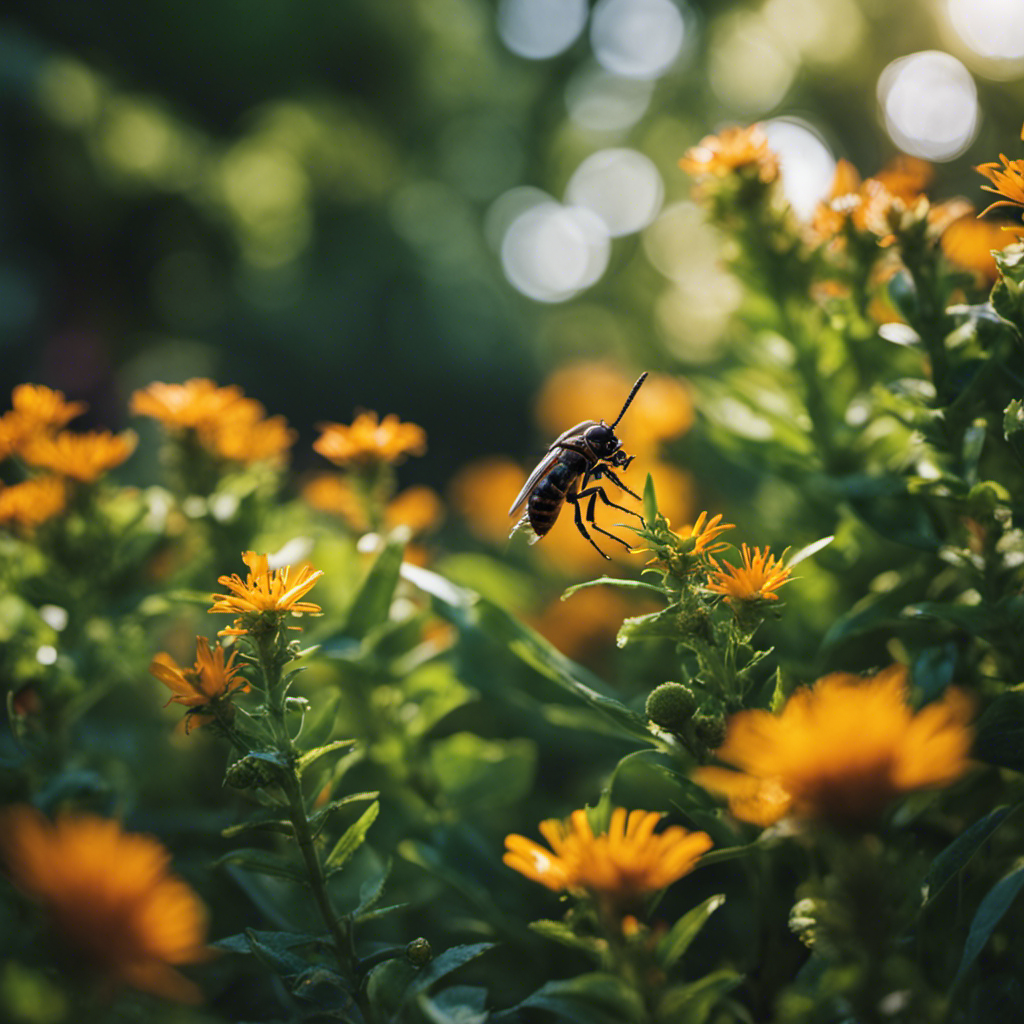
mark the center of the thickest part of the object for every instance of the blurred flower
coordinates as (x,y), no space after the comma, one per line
(109,897)
(842,751)
(481,492)
(368,442)
(732,150)
(209,680)
(420,508)
(263,599)
(36,409)
(84,457)
(1007,181)
(197,403)
(969,243)
(906,176)
(249,438)
(756,580)
(619,866)
(586,624)
(332,493)
(31,502)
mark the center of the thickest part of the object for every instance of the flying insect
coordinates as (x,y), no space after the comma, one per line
(568,472)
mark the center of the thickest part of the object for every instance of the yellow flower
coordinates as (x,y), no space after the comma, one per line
(480,492)
(210,679)
(1007,181)
(420,508)
(36,409)
(196,403)
(969,242)
(32,501)
(842,751)
(109,897)
(619,866)
(732,150)
(265,592)
(84,457)
(368,441)
(756,580)
(248,440)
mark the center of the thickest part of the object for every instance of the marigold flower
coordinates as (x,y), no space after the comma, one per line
(211,679)
(43,408)
(1007,181)
(265,592)
(757,579)
(480,492)
(31,502)
(619,866)
(368,441)
(196,403)
(842,751)
(969,243)
(420,508)
(84,457)
(109,897)
(248,440)
(732,150)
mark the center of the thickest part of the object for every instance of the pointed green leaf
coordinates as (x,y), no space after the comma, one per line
(954,858)
(318,818)
(311,755)
(989,913)
(444,964)
(259,825)
(596,998)
(559,931)
(352,839)
(372,601)
(660,625)
(614,581)
(650,501)
(810,549)
(677,941)
(262,862)
(691,1004)
(460,1004)
(274,954)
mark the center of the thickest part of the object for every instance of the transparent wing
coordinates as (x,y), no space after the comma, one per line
(541,468)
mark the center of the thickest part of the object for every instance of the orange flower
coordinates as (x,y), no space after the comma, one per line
(842,751)
(481,491)
(211,679)
(109,897)
(1007,181)
(619,866)
(332,493)
(969,243)
(755,580)
(32,501)
(41,408)
(245,439)
(368,442)
(732,150)
(420,508)
(703,533)
(265,597)
(196,403)
(83,457)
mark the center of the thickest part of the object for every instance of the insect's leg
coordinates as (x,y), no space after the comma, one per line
(592,493)
(597,491)
(618,483)
(574,500)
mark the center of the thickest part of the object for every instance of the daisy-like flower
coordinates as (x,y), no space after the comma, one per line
(196,403)
(109,898)
(840,752)
(211,679)
(265,597)
(41,408)
(31,502)
(732,150)
(1007,181)
(248,440)
(369,441)
(618,867)
(83,457)
(757,579)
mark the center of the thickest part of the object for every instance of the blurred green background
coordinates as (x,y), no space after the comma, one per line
(421,206)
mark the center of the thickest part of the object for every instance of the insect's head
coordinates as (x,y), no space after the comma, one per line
(602,440)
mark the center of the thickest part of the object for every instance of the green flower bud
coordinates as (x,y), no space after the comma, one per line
(419,952)
(249,773)
(710,726)
(671,706)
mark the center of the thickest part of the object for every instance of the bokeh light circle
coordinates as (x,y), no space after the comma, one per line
(806,164)
(749,68)
(550,252)
(990,28)
(621,186)
(929,103)
(637,38)
(604,102)
(538,29)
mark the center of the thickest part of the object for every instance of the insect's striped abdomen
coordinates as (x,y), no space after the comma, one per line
(546,500)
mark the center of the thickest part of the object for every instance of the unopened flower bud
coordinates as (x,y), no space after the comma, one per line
(671,706)
(710,726)
(419,952)
(249,773)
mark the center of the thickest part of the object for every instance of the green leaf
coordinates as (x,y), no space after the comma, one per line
(459,1004)
(241,943)
(660,625)
(691,1004)
(650,501)
(311,755)
(372,890)
(275,954)
(262,862)
(386,985)
(677,941)
(614,581)
(475,772)
(559,931)
(318,818)
(999,733)
(596,998)
(954,858)
(259,825)
(444,964)
(778,699)
(810,549)
(351,839)
(372,601)
(990,912)
(1013,418)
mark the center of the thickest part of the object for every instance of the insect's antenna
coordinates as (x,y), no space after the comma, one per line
(632,395)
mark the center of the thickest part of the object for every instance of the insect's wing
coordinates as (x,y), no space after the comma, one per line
(542,467)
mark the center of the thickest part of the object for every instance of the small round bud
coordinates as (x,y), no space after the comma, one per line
(419,952)
(710,727)
(671,705)
(249,773)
